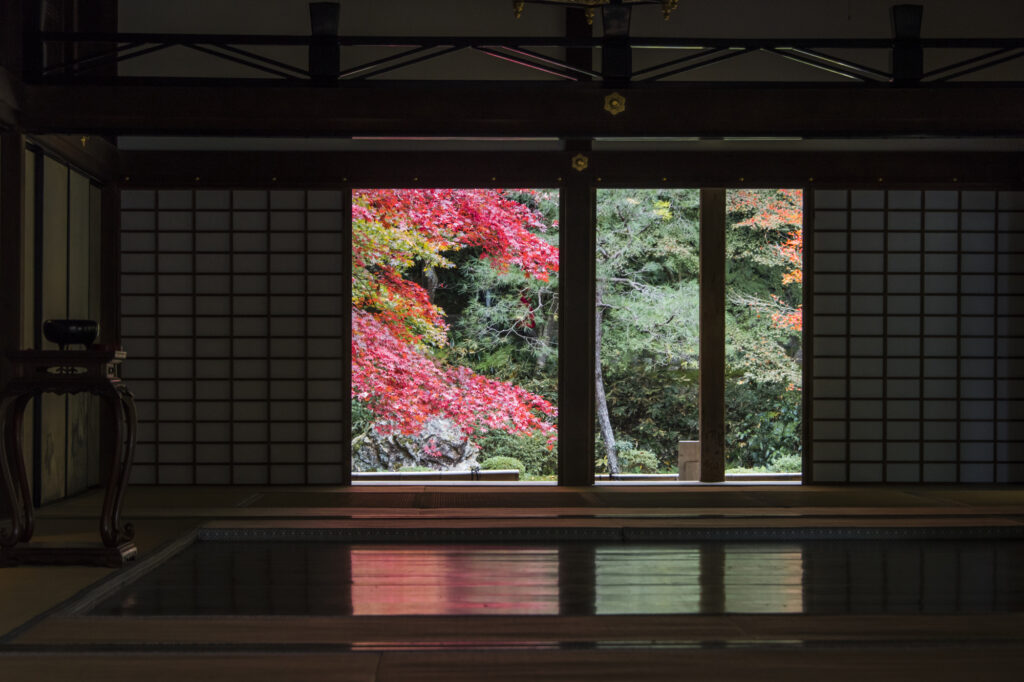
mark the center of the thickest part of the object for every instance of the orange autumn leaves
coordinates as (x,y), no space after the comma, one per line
(778,213)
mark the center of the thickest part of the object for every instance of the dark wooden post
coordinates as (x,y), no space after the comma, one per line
(907,57)
(616,53)
(12,214)
(110,306)
(110,265)
(807,337)
(324,51)
(346,338)
(99,16)
(712,335)
(577,28)
(578,215)
(576,331)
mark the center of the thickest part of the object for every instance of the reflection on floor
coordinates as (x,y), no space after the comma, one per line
(336,579)
(583,610)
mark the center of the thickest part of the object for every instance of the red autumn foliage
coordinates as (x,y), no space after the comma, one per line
(397,331)
(782,212)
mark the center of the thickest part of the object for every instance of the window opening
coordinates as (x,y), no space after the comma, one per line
(454,334)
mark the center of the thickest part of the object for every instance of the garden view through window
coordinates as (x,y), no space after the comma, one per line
(763,330)
(648,330)
(455,331)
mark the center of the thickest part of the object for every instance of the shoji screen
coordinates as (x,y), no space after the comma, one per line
(231,316)
(918,336)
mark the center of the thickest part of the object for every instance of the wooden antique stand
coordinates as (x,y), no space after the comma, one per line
(62,372)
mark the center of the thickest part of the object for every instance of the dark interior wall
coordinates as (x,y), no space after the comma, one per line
(60,281)
(17,254)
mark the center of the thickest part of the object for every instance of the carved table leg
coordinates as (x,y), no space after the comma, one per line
(18,465)
(11,537)
(112,530)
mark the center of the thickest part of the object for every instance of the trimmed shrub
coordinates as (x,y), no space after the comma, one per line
(638,462)
(500,462)
(531,451)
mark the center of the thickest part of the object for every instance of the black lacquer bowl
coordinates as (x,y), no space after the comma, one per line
(67,332)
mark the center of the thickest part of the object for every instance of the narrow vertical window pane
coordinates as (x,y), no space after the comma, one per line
(763,328)
(647,330)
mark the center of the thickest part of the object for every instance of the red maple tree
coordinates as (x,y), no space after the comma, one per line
(398,333)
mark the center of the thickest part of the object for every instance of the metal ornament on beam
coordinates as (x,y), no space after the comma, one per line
(667,6)
(614,103)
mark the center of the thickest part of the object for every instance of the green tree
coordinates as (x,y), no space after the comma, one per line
(763,324)
(646,326)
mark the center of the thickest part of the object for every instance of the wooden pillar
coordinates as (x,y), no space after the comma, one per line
(99,16)
(12,215)
(110,305)
(712,335)
(577,237)
(807,336)
(346,338)
(110,265)
(577,28)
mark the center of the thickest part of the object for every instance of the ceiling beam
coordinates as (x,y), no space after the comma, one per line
(91,154)
(552,169)
(511,110)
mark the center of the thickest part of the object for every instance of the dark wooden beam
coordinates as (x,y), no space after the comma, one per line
(712,335)
(514,109)
(93,155)
(576,359)
(534,169)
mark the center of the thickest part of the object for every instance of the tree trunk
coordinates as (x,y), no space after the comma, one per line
(430,283)
(603,418)
(548,335)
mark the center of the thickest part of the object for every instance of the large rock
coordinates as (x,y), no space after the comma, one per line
(449,450)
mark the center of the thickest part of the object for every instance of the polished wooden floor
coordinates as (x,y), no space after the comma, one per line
(622,609)
(579,578)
